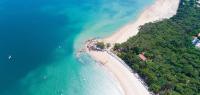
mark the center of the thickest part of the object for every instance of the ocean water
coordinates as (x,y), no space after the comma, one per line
(39,40)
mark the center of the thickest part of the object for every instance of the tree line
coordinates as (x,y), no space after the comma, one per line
(173,65)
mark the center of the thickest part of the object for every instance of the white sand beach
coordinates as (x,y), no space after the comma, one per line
(130,82)
(161,9)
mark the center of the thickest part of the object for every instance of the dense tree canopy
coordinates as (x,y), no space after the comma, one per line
(100,45)
(173,66)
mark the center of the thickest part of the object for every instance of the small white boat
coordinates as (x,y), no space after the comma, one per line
(9,57)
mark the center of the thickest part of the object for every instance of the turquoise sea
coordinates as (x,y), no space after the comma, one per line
(39,40)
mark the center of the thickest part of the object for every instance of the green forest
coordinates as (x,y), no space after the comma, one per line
(173,62)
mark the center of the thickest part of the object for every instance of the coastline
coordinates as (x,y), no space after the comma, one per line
(161,9)
(130,82)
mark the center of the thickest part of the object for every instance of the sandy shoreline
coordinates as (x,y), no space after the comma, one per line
(161,9)
(129,82)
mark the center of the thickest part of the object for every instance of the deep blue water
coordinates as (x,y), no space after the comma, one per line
(40,37)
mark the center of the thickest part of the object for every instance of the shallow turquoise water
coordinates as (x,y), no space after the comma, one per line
(42,36)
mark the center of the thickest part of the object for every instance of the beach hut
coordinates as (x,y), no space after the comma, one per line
(142,57)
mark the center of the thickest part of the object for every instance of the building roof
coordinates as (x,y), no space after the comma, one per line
(142,57)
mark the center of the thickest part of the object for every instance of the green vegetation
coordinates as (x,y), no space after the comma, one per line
(108,45)
(100,45)
(173,66)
